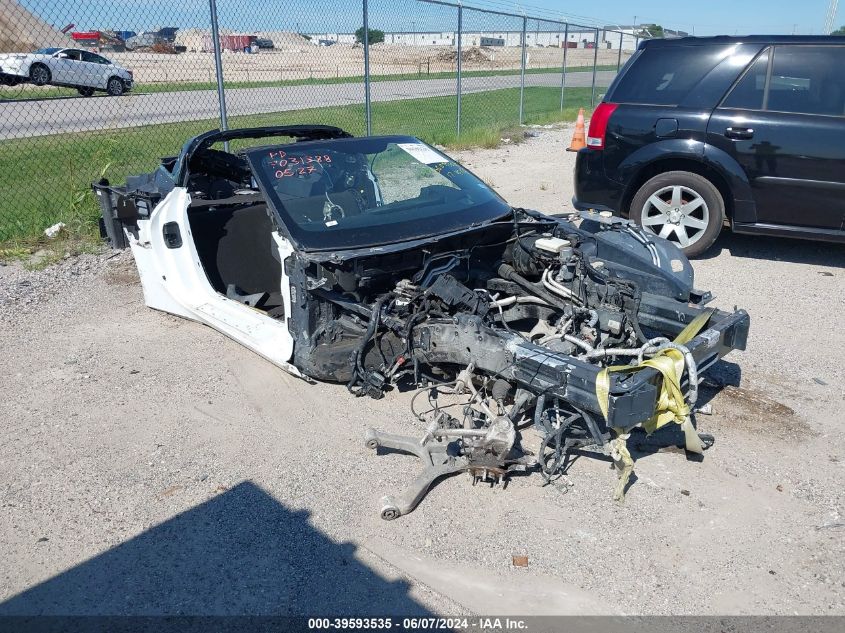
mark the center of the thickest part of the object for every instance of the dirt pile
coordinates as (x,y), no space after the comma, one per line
(476,54)
(23,31)
(285,40)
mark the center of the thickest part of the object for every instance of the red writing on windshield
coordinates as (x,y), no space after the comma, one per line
(281,160)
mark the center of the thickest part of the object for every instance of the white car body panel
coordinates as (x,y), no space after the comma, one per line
(174,281)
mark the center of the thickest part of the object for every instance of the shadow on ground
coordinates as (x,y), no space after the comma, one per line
(241,552)
(778,249)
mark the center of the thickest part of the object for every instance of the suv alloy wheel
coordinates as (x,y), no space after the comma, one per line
(681,207)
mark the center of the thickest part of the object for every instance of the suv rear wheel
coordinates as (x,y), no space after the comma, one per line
(682,207)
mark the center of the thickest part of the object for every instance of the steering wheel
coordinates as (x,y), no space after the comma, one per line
(331,211)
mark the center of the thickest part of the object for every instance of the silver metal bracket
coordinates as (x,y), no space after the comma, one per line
(437,462)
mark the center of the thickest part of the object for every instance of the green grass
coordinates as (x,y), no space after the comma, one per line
(47,179)
(19,92)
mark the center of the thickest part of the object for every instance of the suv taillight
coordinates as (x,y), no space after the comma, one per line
(598,125)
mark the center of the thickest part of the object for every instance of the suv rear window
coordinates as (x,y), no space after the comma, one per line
(665,75)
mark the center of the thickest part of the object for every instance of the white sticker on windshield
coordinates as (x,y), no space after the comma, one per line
(423,153)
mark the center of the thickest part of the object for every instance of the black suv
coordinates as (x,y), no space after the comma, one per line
(695,132)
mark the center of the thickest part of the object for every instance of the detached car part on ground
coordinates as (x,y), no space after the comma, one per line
(379,261)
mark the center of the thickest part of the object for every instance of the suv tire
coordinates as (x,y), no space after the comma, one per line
(681,206)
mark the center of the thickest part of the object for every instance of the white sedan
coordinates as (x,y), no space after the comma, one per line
(70,67)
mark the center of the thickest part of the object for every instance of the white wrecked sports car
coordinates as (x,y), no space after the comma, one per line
(378,261)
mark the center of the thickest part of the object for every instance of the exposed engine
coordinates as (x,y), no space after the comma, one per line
(514,323)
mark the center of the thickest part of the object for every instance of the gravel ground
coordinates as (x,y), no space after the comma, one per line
(150,465)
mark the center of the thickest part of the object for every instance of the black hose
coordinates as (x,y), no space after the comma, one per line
(351,384)
(506,271)
(561,449)
(635,323)
(592,426)
(555,436)
(634,293)
(358,371)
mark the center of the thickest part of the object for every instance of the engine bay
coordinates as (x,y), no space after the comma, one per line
(518,324)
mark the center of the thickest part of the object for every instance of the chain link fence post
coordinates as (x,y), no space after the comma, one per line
(619,56)
(563,64)
(595,67)
(522,70)
(368,115)
(460,36)
(218,67)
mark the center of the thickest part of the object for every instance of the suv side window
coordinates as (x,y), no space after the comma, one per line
(748,93)
(807,80)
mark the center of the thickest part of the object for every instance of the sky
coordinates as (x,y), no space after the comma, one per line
(704,17)
(707,17)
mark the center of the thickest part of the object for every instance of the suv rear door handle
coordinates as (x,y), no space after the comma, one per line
(742,133)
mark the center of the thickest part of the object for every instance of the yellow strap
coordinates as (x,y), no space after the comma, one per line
(694,327)
(670,407)
(670,363)
(623,461)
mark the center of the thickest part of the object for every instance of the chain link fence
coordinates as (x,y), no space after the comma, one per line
(105,88)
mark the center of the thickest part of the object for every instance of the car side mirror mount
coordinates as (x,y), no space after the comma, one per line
(172,235)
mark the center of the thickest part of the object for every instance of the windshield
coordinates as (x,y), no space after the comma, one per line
(352,193)
(47,51)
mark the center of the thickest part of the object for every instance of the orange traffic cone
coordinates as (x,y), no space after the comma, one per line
(579,139)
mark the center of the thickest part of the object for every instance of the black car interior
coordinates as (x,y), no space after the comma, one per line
(232,231)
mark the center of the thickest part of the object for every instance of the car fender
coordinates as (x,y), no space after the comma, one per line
(731,171)
(686,149)
(648,154)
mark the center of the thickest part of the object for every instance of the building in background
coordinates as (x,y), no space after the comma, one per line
(631,36)
(543,38)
